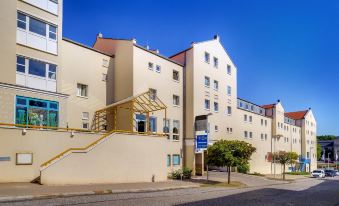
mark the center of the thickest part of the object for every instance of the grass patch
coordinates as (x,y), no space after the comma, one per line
(233,184)
(256,174)
(297,173)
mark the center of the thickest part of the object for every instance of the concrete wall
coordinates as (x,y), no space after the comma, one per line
(111,162)
(42,143)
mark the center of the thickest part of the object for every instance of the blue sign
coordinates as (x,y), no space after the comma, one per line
(202,142)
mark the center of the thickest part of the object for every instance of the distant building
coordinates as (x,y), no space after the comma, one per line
(330,149)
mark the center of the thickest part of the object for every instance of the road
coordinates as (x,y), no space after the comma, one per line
(302,192)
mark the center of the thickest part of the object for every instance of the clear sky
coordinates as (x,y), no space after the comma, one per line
(284,49)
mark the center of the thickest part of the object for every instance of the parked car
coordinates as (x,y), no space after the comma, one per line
(336,172)
(318,173)
(330,173)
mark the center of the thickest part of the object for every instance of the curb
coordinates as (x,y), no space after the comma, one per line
(10,199)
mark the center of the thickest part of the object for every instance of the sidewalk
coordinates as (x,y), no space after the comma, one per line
(27,191)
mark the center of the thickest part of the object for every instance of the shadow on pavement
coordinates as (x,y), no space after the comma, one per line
(325,193)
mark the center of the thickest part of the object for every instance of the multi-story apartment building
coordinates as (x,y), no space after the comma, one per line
(50,81)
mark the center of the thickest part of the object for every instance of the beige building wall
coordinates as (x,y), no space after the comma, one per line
(309,138)
(111,162)
(82,65)
(43,144)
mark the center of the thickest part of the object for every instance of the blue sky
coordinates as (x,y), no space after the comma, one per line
(287,50)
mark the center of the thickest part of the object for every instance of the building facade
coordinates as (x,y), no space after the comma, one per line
(50,81)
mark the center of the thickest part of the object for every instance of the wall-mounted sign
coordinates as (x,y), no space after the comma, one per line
(24,158)
(5,159)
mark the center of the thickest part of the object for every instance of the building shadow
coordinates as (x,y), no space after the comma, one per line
(324,194)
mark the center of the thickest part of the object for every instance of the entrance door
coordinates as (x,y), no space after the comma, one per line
(141,122)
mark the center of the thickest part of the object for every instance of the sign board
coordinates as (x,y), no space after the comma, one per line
(5,159)
(24,158)
(202,141)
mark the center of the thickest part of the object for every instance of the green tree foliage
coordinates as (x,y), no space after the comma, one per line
(285,158)
(224,153)
(326,137)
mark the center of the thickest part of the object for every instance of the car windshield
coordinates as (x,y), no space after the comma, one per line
(316,171)
(328,170)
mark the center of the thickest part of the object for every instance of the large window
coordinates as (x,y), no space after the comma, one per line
(176,127)
(39,112)
(176,159)
(37,68)
(37,26)
(82,90)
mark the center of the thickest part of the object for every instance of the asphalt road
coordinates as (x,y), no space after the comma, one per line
(302,192)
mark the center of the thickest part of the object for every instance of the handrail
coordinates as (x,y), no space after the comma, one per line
(47,127)
(96,142)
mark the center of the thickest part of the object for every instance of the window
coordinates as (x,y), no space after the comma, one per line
(153,124)
(262,137)
(150,65)
(229,110)
(152,94)
(207,57)
(104,77)
(216,107)
(207,104)
(245,118)
(229,70)
(21,21)
(265,122)
(37,68)
(168,160)
(216,128)
(176,127)
(215,62)
(265,137)
(176,100)
(166,128)
(38,112)
(252,108)
(176,159)
(251,135)
(105,63)
(37,27)
(229,90)
(52,32)
(175,75)
(207,81)
(245,134)
(20,64)
(250,119)
(216,85)
(82,90)
(52,71)
(262,122)
(158,68)
(231,130)
(85,125)
(85,115)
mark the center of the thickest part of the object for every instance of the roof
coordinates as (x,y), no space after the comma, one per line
(268,106)
(249,102)
(296,115)
(84,46)
(107,46)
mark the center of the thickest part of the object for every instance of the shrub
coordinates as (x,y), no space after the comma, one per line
(257,174)
(244,168)
(185,172)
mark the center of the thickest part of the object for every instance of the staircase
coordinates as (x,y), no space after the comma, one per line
(75,150)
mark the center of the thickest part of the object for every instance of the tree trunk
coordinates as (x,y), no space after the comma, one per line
(284,172)
(229,175)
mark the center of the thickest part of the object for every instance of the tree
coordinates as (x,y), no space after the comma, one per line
(224,153)
(319,150)
(326,137)
(285,158)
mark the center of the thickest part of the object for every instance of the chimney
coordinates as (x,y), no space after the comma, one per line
(100,35)
(217,37)
(134,41)
(278,100)
(147,47)
(309,108)
(157,51)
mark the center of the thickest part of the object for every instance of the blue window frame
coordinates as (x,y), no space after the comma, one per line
(153,124)
(30,111)
(176,159)
(168,160)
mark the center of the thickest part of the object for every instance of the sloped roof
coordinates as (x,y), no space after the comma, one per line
(268,106)
(296,115)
